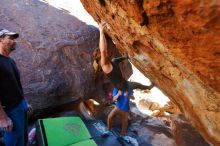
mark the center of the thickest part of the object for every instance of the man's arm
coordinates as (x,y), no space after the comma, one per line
(5,122)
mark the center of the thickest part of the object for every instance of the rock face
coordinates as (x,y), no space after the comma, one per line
(177,45)
(152,130)
(184,134)
(54,52)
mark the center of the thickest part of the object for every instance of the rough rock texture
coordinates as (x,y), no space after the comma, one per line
(157,110)
(184,134)
(53,54)
(152,130)
(176,45)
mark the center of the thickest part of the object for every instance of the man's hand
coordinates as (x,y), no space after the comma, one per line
(29,110)
(6,124)
(102,26)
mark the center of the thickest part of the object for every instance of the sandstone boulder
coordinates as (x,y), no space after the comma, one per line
(54,54)
(184,134)
(176,45)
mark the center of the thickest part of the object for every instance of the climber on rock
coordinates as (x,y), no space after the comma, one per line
(111,67)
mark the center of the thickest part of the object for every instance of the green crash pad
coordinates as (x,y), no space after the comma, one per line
(64,131)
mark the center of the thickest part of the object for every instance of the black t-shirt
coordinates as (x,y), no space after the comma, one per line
(116,78)
(11,92)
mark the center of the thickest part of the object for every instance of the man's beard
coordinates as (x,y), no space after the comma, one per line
(12,49)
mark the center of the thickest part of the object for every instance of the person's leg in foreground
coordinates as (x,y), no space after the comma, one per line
(110,117)
(18,135)
(135,85)
(124,122)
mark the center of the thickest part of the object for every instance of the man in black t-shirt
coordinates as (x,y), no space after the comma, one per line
(111,67)
(13,115)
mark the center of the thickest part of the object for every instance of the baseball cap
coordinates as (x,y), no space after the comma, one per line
(9,33)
